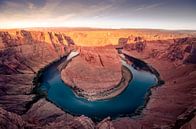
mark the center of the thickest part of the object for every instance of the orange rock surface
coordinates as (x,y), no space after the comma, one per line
(90,37)
(94,69)
(22,54)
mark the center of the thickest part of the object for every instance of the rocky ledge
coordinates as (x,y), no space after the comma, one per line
(96,73)
(171,106)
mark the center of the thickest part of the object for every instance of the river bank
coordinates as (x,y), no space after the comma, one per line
(127,101)
(170,106)
(96,73)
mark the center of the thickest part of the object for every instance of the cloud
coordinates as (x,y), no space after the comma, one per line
(58,8)
(31,5)
(11,4)
(146,7)
(91,12)
(51,13)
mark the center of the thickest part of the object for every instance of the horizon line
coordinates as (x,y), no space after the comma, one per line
(110,28)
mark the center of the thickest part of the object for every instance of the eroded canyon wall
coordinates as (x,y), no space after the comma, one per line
(98,37)
(23,53)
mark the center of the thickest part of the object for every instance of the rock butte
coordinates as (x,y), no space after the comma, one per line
(95,72)
(24,52)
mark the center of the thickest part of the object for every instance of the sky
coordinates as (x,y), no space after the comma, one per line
(153,14)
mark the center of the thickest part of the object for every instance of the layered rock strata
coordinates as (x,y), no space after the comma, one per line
(171,53)
(96,73)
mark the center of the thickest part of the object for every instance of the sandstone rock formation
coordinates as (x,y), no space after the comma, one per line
(23,53)
(95,71)
(192,50)
(102,37)
(176,93)
(190,125)
(10,120)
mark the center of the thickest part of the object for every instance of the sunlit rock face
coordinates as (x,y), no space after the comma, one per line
(23,54)
(95,70)
(102,37)
(21,51)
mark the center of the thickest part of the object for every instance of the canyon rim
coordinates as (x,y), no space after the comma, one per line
(107,64)
(25,52)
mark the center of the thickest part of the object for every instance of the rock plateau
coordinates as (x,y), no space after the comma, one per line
(24,52)
(95,72)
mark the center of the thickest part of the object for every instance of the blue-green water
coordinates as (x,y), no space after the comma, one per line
(125,103)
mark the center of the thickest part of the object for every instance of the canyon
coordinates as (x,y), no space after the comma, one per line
(96,71)
(24,52)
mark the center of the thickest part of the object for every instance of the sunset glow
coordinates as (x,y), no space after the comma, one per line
(155,14)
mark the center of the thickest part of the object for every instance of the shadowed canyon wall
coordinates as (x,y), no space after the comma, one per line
(23,53)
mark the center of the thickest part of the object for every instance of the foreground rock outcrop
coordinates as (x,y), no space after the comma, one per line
(23,53)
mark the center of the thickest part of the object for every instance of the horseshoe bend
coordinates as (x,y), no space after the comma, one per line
(95,72)
(97,78)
